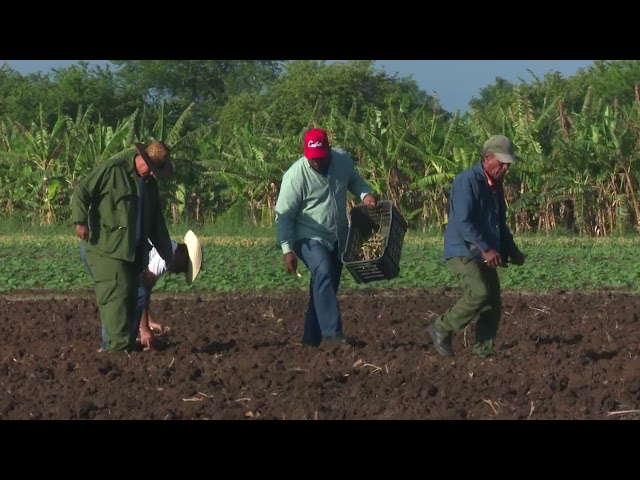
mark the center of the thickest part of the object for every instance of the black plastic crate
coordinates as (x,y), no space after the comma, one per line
(364,224)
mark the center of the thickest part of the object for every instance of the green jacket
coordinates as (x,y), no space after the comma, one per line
(107,200)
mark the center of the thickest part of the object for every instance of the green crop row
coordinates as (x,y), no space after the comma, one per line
(49,260)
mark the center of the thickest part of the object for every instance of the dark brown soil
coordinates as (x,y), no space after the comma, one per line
(561,356)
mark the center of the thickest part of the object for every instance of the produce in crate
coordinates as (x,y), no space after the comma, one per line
(371,248)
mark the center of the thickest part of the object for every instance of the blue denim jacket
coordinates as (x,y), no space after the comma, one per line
(477,218)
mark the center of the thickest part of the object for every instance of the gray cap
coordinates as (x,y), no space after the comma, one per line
(501,147)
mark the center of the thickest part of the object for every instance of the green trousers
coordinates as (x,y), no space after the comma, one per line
(116,284)
(480,301)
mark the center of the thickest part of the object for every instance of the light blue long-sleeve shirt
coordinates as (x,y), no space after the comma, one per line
(313,205)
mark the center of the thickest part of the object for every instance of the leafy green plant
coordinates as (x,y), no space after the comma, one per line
(48,258)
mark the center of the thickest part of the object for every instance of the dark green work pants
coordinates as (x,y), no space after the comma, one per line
(116,284)
(480,301)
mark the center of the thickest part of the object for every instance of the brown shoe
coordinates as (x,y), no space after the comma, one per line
(441,342)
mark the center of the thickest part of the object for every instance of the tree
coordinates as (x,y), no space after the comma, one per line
(611,81)
(207,84)
(79,86)
(21,97)
(309,90)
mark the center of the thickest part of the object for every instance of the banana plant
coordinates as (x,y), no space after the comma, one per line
(251,161)
(183,143)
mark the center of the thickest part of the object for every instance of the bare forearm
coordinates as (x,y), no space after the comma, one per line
(144,319)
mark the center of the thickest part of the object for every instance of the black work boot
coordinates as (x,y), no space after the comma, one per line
(441,341)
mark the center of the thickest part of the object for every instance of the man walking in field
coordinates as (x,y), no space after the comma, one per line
(116,209)
(311,220)
(477,241)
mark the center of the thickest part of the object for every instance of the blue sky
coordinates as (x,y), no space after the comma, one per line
(455,81)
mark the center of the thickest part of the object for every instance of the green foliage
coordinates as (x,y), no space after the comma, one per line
(235,126)
(611,80)
(207,84)
(245,259)
(309,90)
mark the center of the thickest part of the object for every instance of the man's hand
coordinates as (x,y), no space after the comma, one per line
(290,263)
(370,201)
(518,258)
(82,231)
(492,258)
(146,337)
(153,325)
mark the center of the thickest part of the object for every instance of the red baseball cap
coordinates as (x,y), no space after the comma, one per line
(316,143)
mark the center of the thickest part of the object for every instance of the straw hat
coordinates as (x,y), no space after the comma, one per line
(157,158)
(195,256)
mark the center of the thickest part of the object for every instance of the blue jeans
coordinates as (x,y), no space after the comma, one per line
(323,319)
(143,302)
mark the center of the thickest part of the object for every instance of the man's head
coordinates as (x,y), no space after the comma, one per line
(316,148)
(180,259)
(154,159)
(498,153)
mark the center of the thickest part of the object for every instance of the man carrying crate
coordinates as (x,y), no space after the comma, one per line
(311,221)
